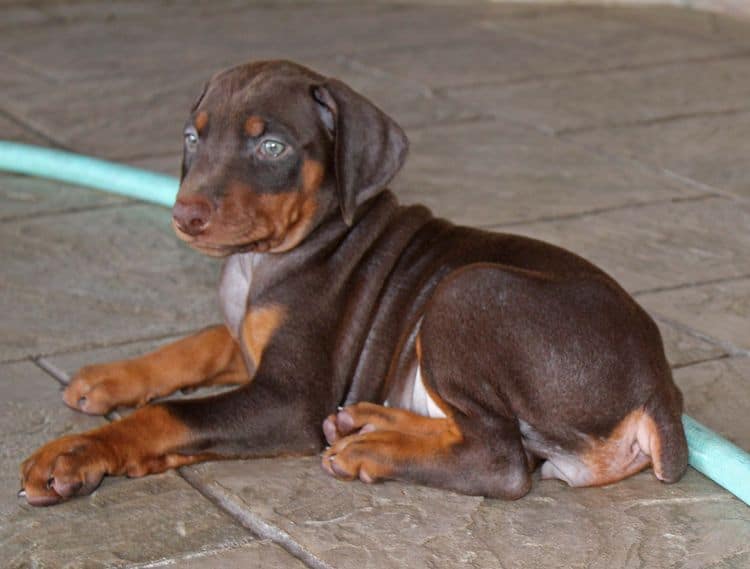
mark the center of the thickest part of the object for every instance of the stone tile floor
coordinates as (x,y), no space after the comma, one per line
(619,133)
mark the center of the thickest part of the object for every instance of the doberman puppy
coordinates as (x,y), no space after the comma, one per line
(456,358)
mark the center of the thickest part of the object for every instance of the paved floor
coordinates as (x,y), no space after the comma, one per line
(621,134)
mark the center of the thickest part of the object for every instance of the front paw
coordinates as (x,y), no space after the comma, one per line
(66,467)
(98,389)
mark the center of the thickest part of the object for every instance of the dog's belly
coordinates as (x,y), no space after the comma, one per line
(414,396)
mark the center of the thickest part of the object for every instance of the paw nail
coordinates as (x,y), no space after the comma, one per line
(50,482)
(21,493)
(345,422)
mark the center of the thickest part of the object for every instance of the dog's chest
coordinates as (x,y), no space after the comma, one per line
(236,279)
(234,295)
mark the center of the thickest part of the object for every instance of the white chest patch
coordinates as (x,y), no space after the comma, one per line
(416,399)
(236,278)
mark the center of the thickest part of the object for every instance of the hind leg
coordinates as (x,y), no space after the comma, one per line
(578,363)
(376,443)
(476,447)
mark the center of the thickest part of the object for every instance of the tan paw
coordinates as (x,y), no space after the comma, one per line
(367,456)
(66,467)
(98,389)
(367,417)
(346,422)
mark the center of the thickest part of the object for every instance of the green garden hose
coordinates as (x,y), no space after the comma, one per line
(87,171)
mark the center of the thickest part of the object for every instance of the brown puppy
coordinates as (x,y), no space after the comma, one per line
(461,357)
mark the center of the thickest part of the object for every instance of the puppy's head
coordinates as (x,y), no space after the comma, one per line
(271,150)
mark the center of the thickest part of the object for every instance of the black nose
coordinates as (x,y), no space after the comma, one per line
(192,215)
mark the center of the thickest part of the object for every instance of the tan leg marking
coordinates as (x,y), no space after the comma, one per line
(210,357)
(146,442)
(386,441)
(258,328)
(626,451)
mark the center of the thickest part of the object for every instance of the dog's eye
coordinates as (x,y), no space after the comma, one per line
(272,148)
(191,139)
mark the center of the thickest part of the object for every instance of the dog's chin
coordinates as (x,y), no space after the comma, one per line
(209,248)
(226,249)
(217,249)
(213,249)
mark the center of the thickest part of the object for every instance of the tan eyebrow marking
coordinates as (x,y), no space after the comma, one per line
(254,126)
(312,175)
(201,120)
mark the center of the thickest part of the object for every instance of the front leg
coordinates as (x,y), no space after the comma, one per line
(145,442)
(209,357)
(260,419)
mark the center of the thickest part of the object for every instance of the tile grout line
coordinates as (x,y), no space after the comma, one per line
(730,349)
(51,369)
(655,169)
(552,43)
(450,121)
(56,19)
(138,157)
(598,66)
(27,66)
(186,557)
(683,32)
(598,211)
(95,346)
(49,139)
(376,72)
(743,53)
(73,210)
(687,180)
(692,284)
(650,121)
(701,361)
(223,499)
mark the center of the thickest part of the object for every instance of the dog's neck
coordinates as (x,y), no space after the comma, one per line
(247,276)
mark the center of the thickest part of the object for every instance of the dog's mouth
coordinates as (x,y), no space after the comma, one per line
(213,249)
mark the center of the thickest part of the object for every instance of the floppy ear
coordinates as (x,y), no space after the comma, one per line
(369,146)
